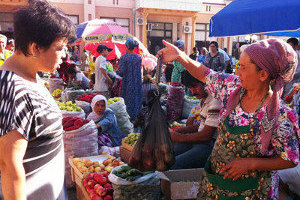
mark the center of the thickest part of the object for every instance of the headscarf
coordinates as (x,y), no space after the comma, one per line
(93,115)
(279,60)
(131,44)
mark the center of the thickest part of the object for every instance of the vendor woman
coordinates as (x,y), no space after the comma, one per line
(258,134)
(105,120)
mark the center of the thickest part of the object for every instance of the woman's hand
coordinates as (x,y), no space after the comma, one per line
(236,168)
(169,53)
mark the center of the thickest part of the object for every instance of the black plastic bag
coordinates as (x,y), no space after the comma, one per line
(154,149)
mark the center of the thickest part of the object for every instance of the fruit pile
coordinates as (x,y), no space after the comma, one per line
(132,138)
(129,173)
(57,93)
(69,106)
(86,165)
(98,186)
(86,97)
(73,123)
(175,125)
(192,98)
(113,100)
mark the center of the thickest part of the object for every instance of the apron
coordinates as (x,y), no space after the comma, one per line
(232,143)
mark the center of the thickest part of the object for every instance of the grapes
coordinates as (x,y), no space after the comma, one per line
(132,138)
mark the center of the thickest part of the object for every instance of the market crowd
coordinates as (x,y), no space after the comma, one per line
(237,120)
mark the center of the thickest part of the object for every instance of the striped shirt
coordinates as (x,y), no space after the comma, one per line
(29,108)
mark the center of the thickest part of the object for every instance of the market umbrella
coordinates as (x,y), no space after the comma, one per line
(256,16)
(118,48)
(100,30)
(285,33)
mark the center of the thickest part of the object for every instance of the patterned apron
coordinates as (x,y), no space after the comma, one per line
(232,143)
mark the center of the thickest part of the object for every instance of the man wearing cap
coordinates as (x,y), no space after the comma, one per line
(102,80)
(4,54)
(178,68)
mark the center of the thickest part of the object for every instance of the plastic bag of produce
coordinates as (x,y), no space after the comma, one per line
(175,102)
(85,106)
(154,149)
(145,187)
(188,105)
(55,83)
(81,142)
(80,114)
(163,88)
(124,124)
(71,95)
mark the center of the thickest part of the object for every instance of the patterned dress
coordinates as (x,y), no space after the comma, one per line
(131,85)
(235,140)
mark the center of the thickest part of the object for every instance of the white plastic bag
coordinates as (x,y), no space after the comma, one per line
(81,142)
(71,95)
(124,124)
(55,83)
(146,187)
(80,114)
(85,106)
(188,105)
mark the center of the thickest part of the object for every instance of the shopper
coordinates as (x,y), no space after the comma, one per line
(214,59)
(31,141)
(258,134)
(4,53)
(102,80)
(131,86)
(178,68)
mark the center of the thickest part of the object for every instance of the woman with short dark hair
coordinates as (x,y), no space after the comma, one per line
(31,142)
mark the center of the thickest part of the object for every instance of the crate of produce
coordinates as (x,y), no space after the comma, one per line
(129,141)
(181,184)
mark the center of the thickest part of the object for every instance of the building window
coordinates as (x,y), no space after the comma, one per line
(124,22)
(208,8)
(90,16)
(74,19)
(90,2)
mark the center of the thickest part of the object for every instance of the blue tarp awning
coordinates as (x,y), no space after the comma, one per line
(256,16)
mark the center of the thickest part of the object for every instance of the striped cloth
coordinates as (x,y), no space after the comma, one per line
(29,108)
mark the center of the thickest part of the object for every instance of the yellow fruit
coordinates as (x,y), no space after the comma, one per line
(96,164)
(91,169)
(76,160)
(88,163)
(98,169)
(102,166)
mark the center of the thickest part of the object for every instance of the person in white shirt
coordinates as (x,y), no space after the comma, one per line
(102,80)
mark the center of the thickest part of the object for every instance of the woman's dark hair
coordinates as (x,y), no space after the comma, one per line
(131,44)
(188,80)
(71,69)
(293,40)
(147,79)
(40,23)
(215,43)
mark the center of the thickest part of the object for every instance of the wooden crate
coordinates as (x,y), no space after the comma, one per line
(126,146)
(125,154)
(78,177)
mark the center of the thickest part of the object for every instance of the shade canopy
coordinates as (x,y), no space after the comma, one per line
(256,16)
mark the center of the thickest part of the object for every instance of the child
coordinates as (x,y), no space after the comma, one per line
(106,121)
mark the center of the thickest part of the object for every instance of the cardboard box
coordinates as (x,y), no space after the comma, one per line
(181,184)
